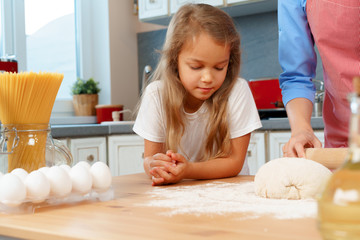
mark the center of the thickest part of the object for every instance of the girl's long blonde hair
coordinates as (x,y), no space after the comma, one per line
(187,23)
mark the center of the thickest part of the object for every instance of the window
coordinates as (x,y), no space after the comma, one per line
(50,40)
(40,35)
(7,48)
(85,36)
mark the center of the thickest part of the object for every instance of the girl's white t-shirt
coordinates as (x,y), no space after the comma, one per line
(242,114)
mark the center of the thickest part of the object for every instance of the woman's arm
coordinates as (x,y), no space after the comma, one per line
(299,112)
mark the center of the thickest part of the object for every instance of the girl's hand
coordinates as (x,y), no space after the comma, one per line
(172,173)
(159,161)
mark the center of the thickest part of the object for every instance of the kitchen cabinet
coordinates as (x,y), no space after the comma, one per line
(3,163)
(229,2)
(176,4)
(278,139)
(160,11)
(126,154)
(149,9)
(91,149)
(256,153)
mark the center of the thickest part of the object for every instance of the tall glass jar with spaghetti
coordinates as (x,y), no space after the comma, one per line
(339,204)
(26,102)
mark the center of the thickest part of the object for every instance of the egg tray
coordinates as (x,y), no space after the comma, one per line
(22,192)
(28,207)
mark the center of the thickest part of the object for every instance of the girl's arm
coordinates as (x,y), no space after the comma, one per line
(211,169)
(221,167)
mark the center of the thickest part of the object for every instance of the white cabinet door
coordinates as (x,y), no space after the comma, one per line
(88,149)
(152,8)
(256,152)
(278,139)
(126,154)
(176,4)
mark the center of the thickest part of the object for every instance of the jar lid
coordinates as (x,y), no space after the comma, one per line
(109,106)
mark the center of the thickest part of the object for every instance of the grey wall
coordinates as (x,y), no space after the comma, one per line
(259,40)
(259,45)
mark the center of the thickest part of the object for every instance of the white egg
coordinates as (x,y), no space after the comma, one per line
(84,164)
(37,186)
(81,179)
(44,170)
(101,176)
(60,182)
(12,190)
(21,173)
(67,168)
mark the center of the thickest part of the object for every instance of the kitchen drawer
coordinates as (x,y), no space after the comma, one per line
(88,149)
(176,4)
(152,8)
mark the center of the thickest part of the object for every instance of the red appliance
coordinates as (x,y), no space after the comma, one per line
(267,96)
(8,65)
(104,112)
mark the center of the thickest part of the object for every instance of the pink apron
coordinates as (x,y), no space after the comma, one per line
(335,25)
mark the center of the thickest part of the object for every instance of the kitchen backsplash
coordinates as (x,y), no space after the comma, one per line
(259,45)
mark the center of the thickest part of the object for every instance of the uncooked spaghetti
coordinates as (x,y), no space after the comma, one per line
(27,98)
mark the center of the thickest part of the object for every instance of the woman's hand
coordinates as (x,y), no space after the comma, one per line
(295,147)
(302,135)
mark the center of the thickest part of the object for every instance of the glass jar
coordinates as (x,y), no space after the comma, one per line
(339,204)
(30,146)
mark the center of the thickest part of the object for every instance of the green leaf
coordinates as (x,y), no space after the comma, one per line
(85,87)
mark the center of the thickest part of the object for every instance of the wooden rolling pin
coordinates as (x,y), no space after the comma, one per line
(331,158)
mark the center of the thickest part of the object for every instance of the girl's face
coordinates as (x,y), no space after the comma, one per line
(203,65)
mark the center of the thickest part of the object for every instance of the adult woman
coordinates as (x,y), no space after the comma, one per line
(334,26)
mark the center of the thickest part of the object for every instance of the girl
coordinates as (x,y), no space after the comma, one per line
(196,116)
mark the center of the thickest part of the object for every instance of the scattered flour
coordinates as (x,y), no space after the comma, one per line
(225,198)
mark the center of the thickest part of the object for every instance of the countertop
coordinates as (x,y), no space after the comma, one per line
(283,124)
(128,217)
(85,130)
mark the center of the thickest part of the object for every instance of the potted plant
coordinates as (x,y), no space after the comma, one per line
(85,97)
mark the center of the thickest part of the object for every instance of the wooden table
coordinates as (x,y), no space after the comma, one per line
(125,218)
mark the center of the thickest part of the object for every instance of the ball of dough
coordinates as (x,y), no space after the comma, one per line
(290,178)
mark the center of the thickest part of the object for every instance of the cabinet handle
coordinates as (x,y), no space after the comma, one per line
(90,158)
(249,153)
(142,155)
